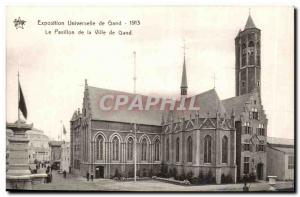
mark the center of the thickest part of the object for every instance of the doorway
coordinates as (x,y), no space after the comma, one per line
(260,171)
(99,172)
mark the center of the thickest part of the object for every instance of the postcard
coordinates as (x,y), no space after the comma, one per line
(150,99)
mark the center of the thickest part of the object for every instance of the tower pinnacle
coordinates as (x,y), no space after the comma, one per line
(184,86)
(249,24)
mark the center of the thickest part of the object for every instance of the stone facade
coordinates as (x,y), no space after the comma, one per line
(250,118)
(103,147)
(247,62)
(65,157)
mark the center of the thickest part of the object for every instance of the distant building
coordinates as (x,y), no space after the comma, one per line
(280,158)
(65,157)
(55,153)
(38,146)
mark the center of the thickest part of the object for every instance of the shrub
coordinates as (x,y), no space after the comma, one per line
(182,176)
(209,178)
(117,174)
(144,173)
(130,173)
(201,177)
(223,178)
(151,172)
(163,171)
(174,174)
(189,176)
(194,180)
(252,177)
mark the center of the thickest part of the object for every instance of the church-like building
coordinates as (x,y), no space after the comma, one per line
(225,138)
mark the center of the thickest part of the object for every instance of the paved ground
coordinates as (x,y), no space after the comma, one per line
(80,183)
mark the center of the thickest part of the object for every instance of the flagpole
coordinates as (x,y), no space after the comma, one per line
(134,127)
(18,96)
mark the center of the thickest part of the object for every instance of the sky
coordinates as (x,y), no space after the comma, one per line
(53,67)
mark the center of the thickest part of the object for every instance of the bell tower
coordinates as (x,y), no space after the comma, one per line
(247,59)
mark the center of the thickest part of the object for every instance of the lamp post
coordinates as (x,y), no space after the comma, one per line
(135,140)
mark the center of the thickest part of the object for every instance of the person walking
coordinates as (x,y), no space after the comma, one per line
(65,174)
(87,176)
(92,177)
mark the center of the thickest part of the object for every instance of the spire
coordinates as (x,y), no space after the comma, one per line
(184,86)
(249,23)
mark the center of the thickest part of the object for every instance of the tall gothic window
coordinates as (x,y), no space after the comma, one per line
(224,149)
(130,149)
(99,148)
(177,149)
(251,57)
(190,149)
(167,150)
(207,149)
(144,149)
(116,148)
(156,150)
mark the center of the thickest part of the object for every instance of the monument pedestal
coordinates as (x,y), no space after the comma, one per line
(18,175)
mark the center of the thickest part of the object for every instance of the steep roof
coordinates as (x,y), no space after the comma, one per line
(249,24)
(236,103)
(149,117)
(208,102)
(289,150)
(280,141)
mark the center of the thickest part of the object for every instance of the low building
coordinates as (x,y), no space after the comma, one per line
(38,149)
(280,158)
(65,157)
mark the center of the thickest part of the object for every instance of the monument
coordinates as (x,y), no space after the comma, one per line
(18,175)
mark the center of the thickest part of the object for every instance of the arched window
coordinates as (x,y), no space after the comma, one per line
(251,44)
(144,149)
(167,150)
(130,149)
(189,149)
(207,149)
(116,148)
(99,147)
(251,57)
(243,46)
(156,150)
(224,149)
(177,149)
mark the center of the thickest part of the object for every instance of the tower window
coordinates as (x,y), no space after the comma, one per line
(251,44)
(251,58)
(243,46)
(258,84)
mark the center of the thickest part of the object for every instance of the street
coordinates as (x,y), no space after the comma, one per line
(73,183)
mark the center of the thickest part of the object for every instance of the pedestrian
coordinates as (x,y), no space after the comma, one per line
(50,177)
(92,177)
(87,176)
(245,188)
(65,174)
